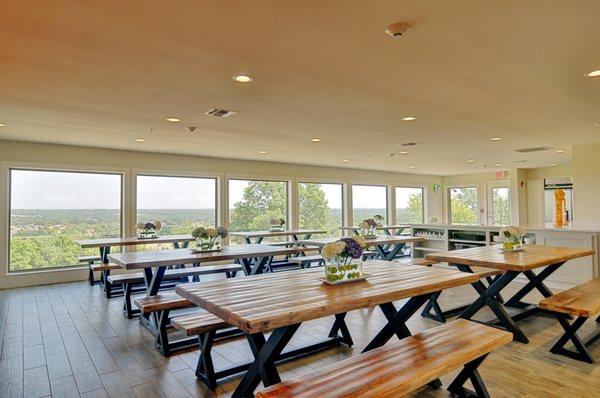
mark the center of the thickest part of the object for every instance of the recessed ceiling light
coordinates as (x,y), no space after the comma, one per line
(594,73)
(560,150)
(403,152)
(315,139)
(498,164)
(495,138)
(411,167)
(1,124)
(409,118)
(345,160)
(459,171)
(470,161)
(552,164)
(173,119)
(243,78)
(262,152)
(597,124)
(140,140)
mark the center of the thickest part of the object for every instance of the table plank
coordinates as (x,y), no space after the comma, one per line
(132,241)
(287,232)
(531,257)
(137,260)
(382,227)
(258,304)
(377,241)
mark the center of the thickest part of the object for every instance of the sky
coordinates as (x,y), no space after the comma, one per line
(66,190)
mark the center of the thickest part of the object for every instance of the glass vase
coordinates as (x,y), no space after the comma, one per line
(340,269)
(512,243)
(368,233)
(206,243)
(146,233)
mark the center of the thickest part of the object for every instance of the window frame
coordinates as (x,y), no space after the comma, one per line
(8,167)
(449,207)
(343,187)
(388,193)
(152,173)
(424,204)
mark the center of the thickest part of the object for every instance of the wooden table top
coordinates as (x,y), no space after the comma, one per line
(132,240)
(261,303)
(397,226)
(136,260)
(378,240)
(531,257)
(286,232)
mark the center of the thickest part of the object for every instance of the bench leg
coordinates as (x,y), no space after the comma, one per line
(127,309)
(205,370)
(340,325)
(432,304)
(580,353)
(161,319)
(107,285)
(469,372)
(91,280)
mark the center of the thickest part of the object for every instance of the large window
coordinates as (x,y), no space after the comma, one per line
(179,203)
(253,203)
(409,205)
(320,207)
(367,201)
(49,210)
(463,206)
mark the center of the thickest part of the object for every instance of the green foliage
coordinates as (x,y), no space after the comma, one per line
(501,209)
(464,207)
(413,213)
(262,200)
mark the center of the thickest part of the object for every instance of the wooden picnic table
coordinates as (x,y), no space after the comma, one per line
(281,302)
(387,229)
(105,244)
(380,243)
(258,236)
(513,263)
(254,259)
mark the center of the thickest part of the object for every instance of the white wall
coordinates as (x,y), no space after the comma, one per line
(13,153)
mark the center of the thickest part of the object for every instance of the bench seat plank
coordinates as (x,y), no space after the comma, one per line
(582,300)
(306,259)
(198,323)
(161,302)
(104,267)
(397,368)
(88,259)
(138,277)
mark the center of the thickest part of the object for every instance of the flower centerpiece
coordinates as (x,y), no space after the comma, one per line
(513,238)
(148,230)
(378,218)
(209,239)
(276,224)
(368,228)
(343,259)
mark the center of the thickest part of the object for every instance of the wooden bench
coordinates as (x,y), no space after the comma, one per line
(489,274)
(582,301)
(369,254)
(104,269)
(307,261)
(89,260)
(134,282)
(399,368)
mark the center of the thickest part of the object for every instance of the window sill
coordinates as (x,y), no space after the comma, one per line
(45,270)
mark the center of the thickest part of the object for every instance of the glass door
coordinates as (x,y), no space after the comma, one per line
(498,204)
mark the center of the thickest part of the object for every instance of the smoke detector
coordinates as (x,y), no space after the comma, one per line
(397,29)
(218,112)
(191,129)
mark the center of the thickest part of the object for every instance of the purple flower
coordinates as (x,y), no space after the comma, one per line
(353,249)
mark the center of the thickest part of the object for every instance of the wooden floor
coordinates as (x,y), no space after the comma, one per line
(66,340)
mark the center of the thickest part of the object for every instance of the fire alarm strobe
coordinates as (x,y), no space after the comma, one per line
(397,29)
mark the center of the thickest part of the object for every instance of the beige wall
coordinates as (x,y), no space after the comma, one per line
(129,163)
(586,179)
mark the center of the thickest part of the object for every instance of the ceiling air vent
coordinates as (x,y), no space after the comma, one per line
(533,149)
(220,112)
(410,144)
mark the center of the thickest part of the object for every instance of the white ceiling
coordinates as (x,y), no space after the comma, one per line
(104,73)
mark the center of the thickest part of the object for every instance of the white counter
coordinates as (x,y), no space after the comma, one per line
(442,237)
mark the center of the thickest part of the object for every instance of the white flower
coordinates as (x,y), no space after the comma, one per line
(140,225)
(360,240)
(158,225)
(364,225)
(212,233)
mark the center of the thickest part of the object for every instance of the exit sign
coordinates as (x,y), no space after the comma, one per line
(501,174)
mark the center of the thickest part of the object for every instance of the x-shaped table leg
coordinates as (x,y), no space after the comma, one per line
(535,282)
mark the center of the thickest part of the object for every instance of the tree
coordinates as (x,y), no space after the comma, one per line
(463,206)
(415,208)
(262,200)
(501,207)
(313,207)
